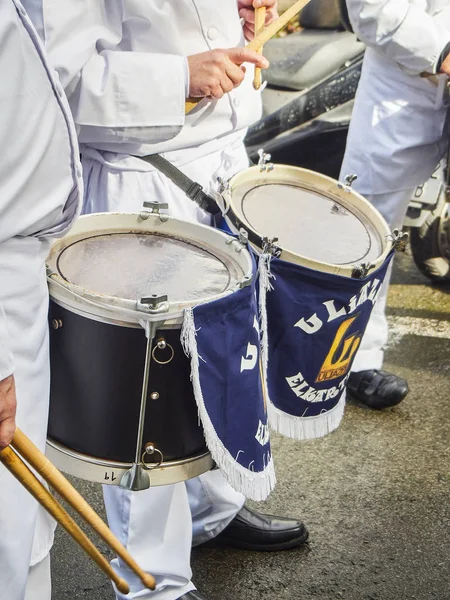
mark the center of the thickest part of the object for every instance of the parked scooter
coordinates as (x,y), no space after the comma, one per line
(307,106)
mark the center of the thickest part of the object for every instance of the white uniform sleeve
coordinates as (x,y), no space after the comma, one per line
(403,31)
(115,94)
(6,357)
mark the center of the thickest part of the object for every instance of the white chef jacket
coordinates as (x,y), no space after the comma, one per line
(123,66)
(40,172)
(412,33)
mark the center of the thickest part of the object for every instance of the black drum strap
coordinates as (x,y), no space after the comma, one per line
(193,190)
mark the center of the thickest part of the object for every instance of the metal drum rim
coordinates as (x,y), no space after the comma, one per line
(120,309)
(94,469)
(273,175)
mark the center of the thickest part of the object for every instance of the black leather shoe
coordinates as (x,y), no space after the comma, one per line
(377,389)
(252,530)
(194,595)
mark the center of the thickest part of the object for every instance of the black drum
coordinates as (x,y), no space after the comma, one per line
(122,408)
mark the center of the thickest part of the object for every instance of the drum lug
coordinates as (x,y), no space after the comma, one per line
(399,240)
(362,270)
(348,182)
(222,185)
(270,246)
(241,241)
(221,195)
(135,479)
(245,282)
(154,304)
(243,237)
(154,208)
(336,209)
(263,163)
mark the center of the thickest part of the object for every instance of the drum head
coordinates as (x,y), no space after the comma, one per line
(310,215)
(105,258)
(134,265)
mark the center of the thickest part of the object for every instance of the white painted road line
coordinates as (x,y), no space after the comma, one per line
(401,326)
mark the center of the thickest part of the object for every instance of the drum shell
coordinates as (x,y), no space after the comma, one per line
(96,383)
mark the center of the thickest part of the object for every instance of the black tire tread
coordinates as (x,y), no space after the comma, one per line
(425,248)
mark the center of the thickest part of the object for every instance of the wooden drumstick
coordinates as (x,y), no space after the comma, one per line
(260,21)
(19,469)
(56,479)
(258,42)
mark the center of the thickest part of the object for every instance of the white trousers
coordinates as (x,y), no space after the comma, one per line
(26,531)
(396,139)
(160,525)
(39,585)
(371,352)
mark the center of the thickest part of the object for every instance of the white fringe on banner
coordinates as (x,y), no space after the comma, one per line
(256,486)
(306,428)
(265,286)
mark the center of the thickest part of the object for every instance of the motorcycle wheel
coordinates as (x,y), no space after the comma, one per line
(430,244)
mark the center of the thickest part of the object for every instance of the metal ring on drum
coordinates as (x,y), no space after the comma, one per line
(317,221)
(120,388)
(161,344)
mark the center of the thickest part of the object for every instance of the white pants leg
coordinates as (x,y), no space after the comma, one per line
(213,503)
(39,586)
(157,525)
(370,355)
(24,296)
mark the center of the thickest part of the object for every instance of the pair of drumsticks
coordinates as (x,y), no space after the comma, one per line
(262,35)
(22,445)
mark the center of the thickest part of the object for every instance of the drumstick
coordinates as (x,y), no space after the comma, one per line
(19,469)
(260,20)
(59,483)
(258,42)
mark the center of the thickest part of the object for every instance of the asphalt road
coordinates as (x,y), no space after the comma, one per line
(374,494)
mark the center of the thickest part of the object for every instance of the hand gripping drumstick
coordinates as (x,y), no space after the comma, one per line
(260,20)
(258,42)
(48,471)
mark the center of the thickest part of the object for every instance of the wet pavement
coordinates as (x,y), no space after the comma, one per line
(374,494)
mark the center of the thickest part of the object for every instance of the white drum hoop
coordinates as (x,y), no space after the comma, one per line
(236,188)
(126,312)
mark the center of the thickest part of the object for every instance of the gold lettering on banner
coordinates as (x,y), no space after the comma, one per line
(336,365)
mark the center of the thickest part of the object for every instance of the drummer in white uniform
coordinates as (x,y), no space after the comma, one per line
(127,69)
(40,183)
(396,139)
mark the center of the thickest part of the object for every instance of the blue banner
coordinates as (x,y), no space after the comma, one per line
(223,340)
(315,323)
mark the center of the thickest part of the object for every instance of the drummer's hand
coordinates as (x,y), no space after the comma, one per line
(445,67)
(217,72)
(7,411)
(247,12)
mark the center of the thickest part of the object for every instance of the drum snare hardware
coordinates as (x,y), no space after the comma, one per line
(122,407)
